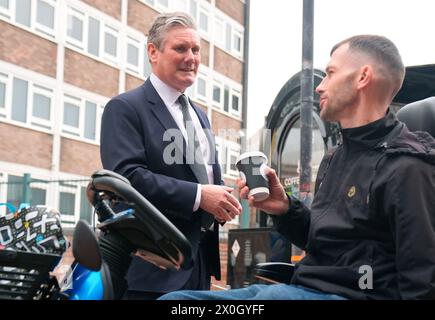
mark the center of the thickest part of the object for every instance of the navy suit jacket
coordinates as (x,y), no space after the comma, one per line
(132,144)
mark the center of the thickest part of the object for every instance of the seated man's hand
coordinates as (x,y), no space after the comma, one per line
(277,203)
(218,201)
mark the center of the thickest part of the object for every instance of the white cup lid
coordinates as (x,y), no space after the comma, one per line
(252,154)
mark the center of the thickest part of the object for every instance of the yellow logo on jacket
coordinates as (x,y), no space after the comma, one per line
(351,192)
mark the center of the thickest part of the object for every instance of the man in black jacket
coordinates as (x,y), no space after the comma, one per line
(370,233)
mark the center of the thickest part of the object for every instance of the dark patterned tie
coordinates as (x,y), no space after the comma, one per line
(192,146)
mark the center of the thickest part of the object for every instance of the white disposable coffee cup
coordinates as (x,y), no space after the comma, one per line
(251,166)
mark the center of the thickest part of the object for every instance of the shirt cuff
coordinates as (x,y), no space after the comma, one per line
(197,199)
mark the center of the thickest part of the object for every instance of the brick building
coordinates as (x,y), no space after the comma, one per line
(62,60)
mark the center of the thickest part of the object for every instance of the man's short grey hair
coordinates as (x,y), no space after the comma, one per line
(165,22)
(383,51)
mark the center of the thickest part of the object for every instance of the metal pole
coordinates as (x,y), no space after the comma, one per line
(246,213)
(246,25)
(307,87)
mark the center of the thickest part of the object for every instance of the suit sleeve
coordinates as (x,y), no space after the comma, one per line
(123,150)
(411,210)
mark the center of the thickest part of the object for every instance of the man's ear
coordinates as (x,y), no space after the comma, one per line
(152,52)
(365,76)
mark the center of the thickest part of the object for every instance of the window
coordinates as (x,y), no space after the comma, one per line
(90,120)
(193,9)
(71,115)
(228,32)
(3,82)
(38,15)
(38,192)
(133,54)
(4,8)
(217,93)
(38,196)
(45,16)
(4,4)
(289,155)
(201,87)
(226,94)
(30,103)
(15,190)
(226,98)
(203,20)
(2,95)
(146,63)
(235,102)
(219,32)
(19,100)
(23,12)
(67,206)
(110,42)
(229,36)
(237,43)
(94,36)
(75,22)
(81,118)
(41,110)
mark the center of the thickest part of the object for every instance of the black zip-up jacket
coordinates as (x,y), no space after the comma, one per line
(370,233)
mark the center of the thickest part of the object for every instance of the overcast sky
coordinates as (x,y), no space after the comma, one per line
(276,34)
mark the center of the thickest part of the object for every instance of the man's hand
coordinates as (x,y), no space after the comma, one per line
(218,201)
(277,203)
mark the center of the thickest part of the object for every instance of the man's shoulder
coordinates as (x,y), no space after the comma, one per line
(413,147)
(132,93)
(134,98)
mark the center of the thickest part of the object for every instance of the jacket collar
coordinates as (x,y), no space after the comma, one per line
(370,135)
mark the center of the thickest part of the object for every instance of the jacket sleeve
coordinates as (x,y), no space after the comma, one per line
(123,150)
(412,218)
(295,223)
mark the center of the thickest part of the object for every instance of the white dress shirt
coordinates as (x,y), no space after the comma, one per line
(170,96)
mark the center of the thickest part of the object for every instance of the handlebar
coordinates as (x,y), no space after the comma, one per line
(166,246)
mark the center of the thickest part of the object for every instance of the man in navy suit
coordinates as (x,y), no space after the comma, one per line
(161,142)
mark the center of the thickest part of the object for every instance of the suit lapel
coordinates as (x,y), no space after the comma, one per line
(162,115)
(158,107)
